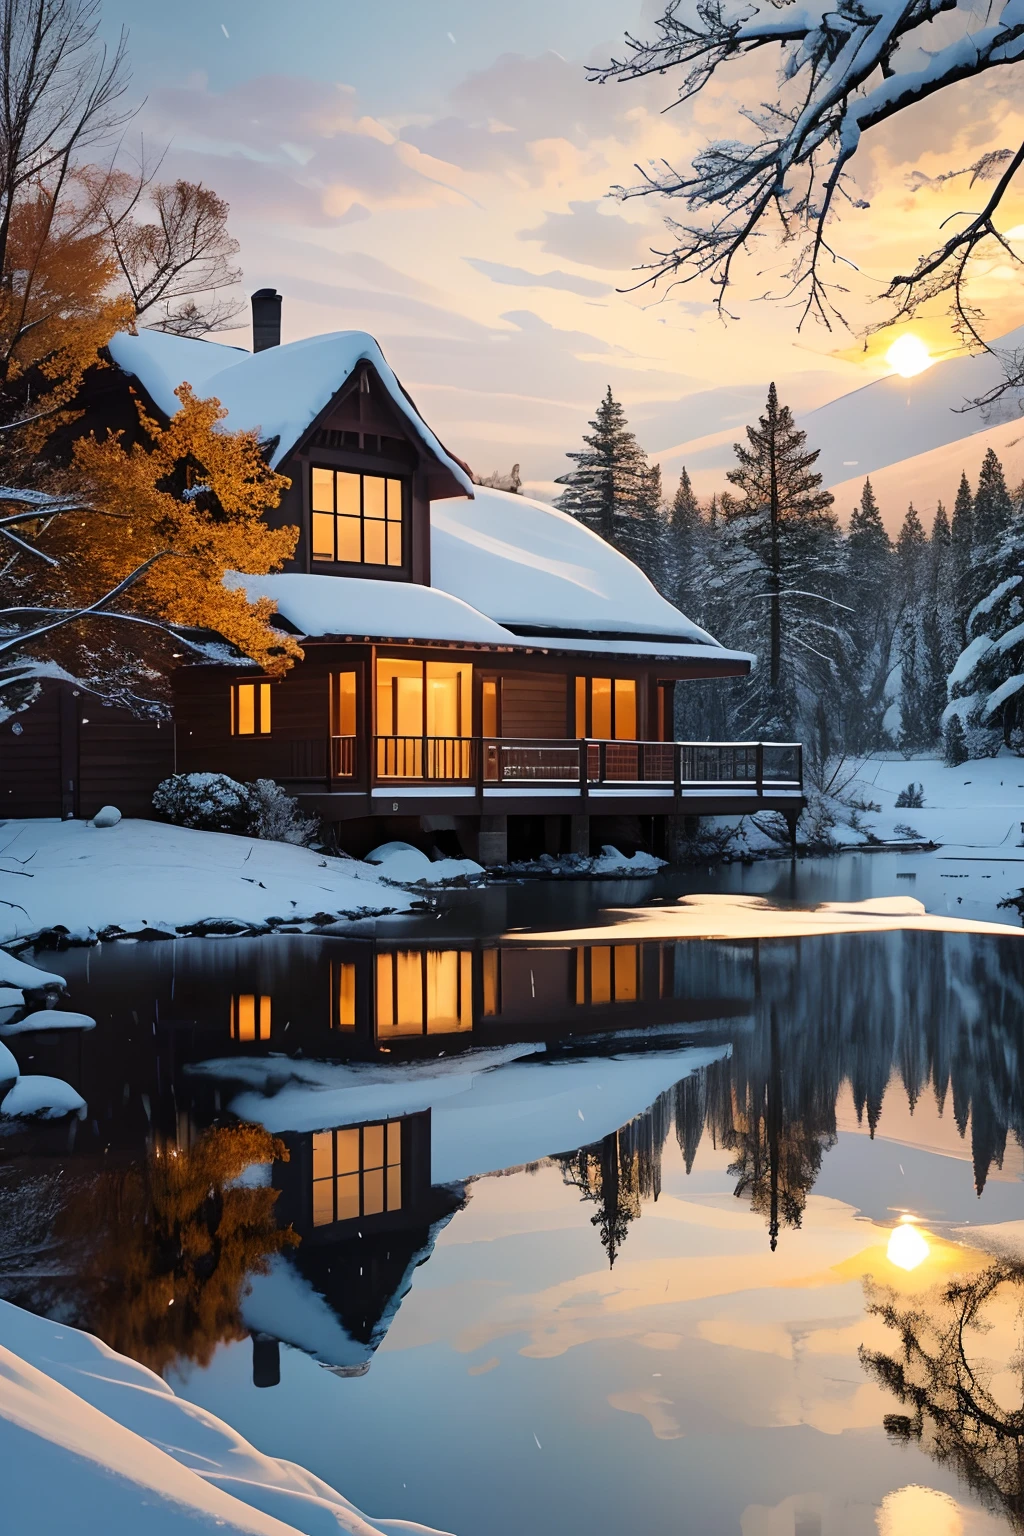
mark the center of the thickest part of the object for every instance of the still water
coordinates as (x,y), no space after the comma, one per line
(503,1235)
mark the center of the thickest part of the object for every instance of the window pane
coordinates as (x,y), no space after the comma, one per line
(347,996)
(449,698)
(374,549)
(373,1192)
(409,978)
(465,989)
(394,1142)
(373,1146)
(323,536)
(394,543)
(581,706)
(323,1154)
(394,1189)
(264,709)
(347,1144)
(625,709)
(442,990)
(246,695)
(625,973)
(489,701)
(348,495)
(385,998)
(348,539)
(492,982)
(600,974)
(245,1017)
(323,490)
(348,1197)
(264,1018)
(323,1202)
(373,496)
(601,708)
(394,501)
(345,704)
(581,975)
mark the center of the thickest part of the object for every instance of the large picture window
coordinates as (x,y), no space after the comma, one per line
(424,994)
(423,704)
(250,709)
(357,1172)
(357,519)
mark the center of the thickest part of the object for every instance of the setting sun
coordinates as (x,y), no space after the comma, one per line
(908,356)
(907,1247)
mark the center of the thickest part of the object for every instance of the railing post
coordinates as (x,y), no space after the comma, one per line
(477,746)
(602,762)
(583,747)
(760,770)
(677,772)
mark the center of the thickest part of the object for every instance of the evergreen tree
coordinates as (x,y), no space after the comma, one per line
(912,564)
(611,487)
(687,542)
(939,623)
(782,567)
(962,546)
(989,673)
(954,743)
(992,506)
(869,579)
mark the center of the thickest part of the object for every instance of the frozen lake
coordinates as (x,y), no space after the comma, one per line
(594,1236)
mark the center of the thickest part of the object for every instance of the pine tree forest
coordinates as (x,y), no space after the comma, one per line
(864,641)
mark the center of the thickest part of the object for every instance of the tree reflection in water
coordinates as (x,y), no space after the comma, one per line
(958,1396)
(162,1251)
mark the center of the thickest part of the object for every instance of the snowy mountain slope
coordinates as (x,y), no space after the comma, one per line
(891,421)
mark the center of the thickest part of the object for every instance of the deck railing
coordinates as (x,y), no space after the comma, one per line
(488,763)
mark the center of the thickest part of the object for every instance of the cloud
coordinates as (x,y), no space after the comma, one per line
(593,239)
(518,277)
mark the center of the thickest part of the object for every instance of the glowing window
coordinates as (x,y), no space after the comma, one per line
(608,973)
(424,993)
(357,519)
(357,1171)
(489,706)
(343,704)
(613,708)
(343,994)
(250,709)
(492,982)
(250,1016)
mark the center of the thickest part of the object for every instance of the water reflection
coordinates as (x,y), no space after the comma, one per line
(956,1364)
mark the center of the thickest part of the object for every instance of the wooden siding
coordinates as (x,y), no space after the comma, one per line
(74,754)
(534,704)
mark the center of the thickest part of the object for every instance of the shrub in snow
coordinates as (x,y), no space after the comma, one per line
(211,802)
(43,1098)
(207,802)
(910,833)
(275,816)
(108,816)
(954,743)
(911,798)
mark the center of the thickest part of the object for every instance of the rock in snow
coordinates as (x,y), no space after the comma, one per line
(8,1069)
(107,816)
(47,1018)
(93,1443)
(409,866)
(42,1098)
(27,978)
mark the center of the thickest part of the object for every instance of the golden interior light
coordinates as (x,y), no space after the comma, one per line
(908,356)
(907,1246)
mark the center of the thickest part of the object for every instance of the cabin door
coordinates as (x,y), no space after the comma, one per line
(424,719)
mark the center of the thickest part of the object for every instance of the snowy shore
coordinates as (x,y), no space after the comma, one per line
(150,879)
(90,1441)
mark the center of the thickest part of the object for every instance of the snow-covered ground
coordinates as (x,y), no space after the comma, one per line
(146,874)
(94,1443)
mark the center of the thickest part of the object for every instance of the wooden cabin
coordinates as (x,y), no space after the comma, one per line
(479,667)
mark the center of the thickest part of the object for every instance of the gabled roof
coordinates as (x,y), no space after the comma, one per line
(539,572)
(279,392)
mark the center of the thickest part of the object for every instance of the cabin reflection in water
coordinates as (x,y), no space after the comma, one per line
(361,1201)
(359,998)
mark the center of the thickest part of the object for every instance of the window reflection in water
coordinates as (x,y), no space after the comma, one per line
(424,993)
(357,1171)
(250,1016)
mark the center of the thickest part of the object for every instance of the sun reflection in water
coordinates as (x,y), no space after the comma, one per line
(907,1246)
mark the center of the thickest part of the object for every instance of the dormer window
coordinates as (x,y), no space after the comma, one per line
(357,518)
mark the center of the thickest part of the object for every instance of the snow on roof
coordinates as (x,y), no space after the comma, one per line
(279,392)
(383,610)
(532,567)
(282,1302)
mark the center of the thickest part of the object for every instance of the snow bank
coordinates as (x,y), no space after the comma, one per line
(48,1018)
(382,610)
(43,1098)
(409,866)
(17,973)
(525,563)
(145,874)
(8,1065)
(94,1443)
(279,392)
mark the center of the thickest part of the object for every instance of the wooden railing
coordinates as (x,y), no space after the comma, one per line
(489,763)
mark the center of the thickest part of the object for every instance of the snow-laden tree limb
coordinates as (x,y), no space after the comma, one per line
(845,68)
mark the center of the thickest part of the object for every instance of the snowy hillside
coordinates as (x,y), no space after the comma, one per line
(907,427)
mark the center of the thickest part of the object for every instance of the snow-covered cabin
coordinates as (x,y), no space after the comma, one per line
(471,655)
